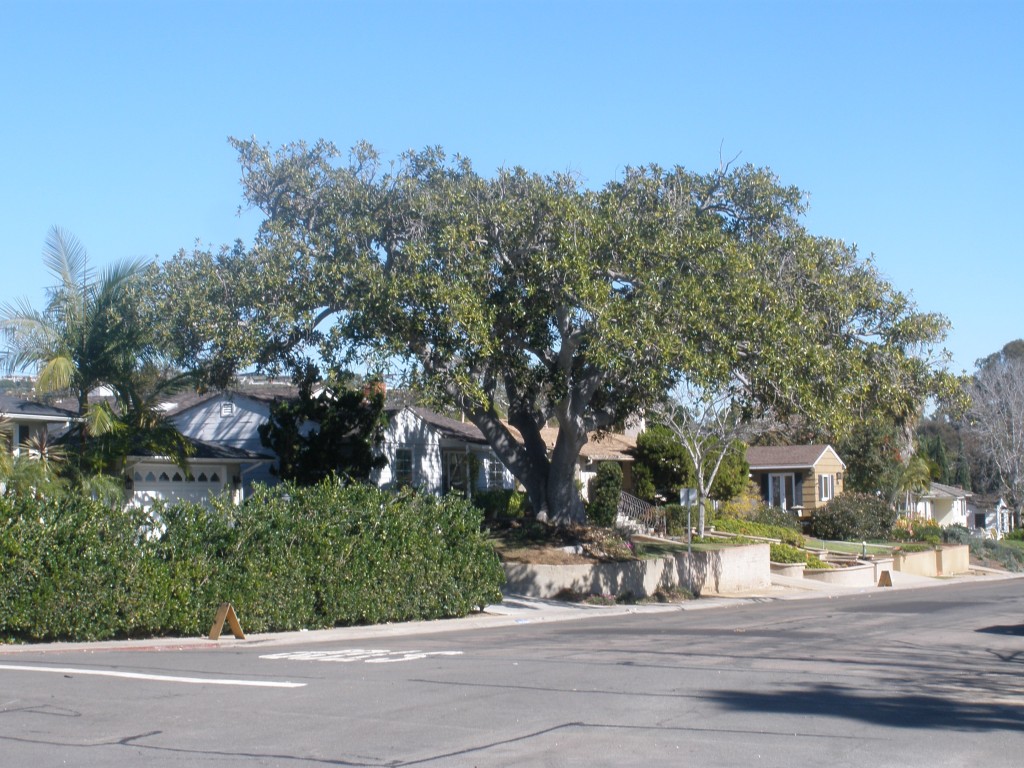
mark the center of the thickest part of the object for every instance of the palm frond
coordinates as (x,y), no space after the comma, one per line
(100,420)
(66,259)
(120,273)
(57,374)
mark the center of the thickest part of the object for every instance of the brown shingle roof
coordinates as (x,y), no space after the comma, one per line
(784,456)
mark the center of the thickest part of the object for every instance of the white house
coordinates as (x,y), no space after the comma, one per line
(437,454)
(29,422)
(230,419)
(989,516)
(944,504)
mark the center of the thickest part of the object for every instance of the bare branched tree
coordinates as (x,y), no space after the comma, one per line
(708,422)
(996,419)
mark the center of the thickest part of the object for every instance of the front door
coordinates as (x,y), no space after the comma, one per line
(781,490)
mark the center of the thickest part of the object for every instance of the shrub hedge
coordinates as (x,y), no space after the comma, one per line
(604,491)
(289,558)
(853,517)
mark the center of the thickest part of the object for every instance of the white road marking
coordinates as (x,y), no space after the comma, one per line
(366,655)
(156,678)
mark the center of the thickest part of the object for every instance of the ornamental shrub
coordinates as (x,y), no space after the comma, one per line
(853,517)
(956,534)
(675,519)
(500,502)
(1015,535)
(603,492)
(784,553)
(751,528)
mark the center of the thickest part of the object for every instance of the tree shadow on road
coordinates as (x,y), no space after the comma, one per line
(1010,629)
(886,709)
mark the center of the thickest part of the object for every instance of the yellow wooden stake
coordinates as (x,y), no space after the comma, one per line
(226,613)
(885,580)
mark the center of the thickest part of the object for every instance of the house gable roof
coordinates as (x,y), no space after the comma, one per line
(938,490)
(600,446)
(762,457)
(180,402)
(450,428)
(203,450)
(16,408)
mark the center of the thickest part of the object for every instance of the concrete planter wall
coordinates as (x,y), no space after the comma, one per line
(788,569)
(947,561)
(850,576)
(726,571)
(954,559)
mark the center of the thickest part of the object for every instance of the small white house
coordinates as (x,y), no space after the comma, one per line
(437,454)
(27,422)
(230,420)
(944,504)
(989,516)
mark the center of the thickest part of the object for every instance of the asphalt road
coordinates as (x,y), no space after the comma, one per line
(928,677)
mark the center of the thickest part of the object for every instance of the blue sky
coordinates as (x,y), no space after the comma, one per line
(902,120)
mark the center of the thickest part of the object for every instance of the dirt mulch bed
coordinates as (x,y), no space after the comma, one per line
(532,542)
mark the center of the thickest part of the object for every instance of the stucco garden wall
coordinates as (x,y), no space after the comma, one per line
(726,571)
(947,561)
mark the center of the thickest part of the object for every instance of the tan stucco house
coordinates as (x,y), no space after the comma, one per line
(801,478)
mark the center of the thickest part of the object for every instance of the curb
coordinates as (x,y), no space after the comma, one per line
(512,611)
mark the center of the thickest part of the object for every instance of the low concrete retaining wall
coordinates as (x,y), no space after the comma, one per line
(726,571)
(849,576)
(946,561)
(954,559)
(788,569)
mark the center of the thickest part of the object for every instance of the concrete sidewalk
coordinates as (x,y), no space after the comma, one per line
(513,610)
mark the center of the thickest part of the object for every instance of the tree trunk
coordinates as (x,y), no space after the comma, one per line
(565,507)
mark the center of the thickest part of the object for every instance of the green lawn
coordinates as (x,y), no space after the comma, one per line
(849,547)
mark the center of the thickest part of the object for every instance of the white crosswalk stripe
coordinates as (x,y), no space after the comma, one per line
(366,655)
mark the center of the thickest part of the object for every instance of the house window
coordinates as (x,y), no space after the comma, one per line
(495,474)
(826,487)
(227,410)
(455,471)
(403,466)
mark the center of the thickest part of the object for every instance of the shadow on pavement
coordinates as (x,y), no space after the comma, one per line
(887,709)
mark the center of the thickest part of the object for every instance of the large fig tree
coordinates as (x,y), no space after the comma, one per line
(524,300)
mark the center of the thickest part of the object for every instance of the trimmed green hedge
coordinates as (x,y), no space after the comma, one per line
(289,558)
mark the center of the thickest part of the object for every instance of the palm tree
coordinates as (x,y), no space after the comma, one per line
(89,334)
(92,334)
(916,479)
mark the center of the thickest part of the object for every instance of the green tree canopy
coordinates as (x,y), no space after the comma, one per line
(331,429)
(579,306)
